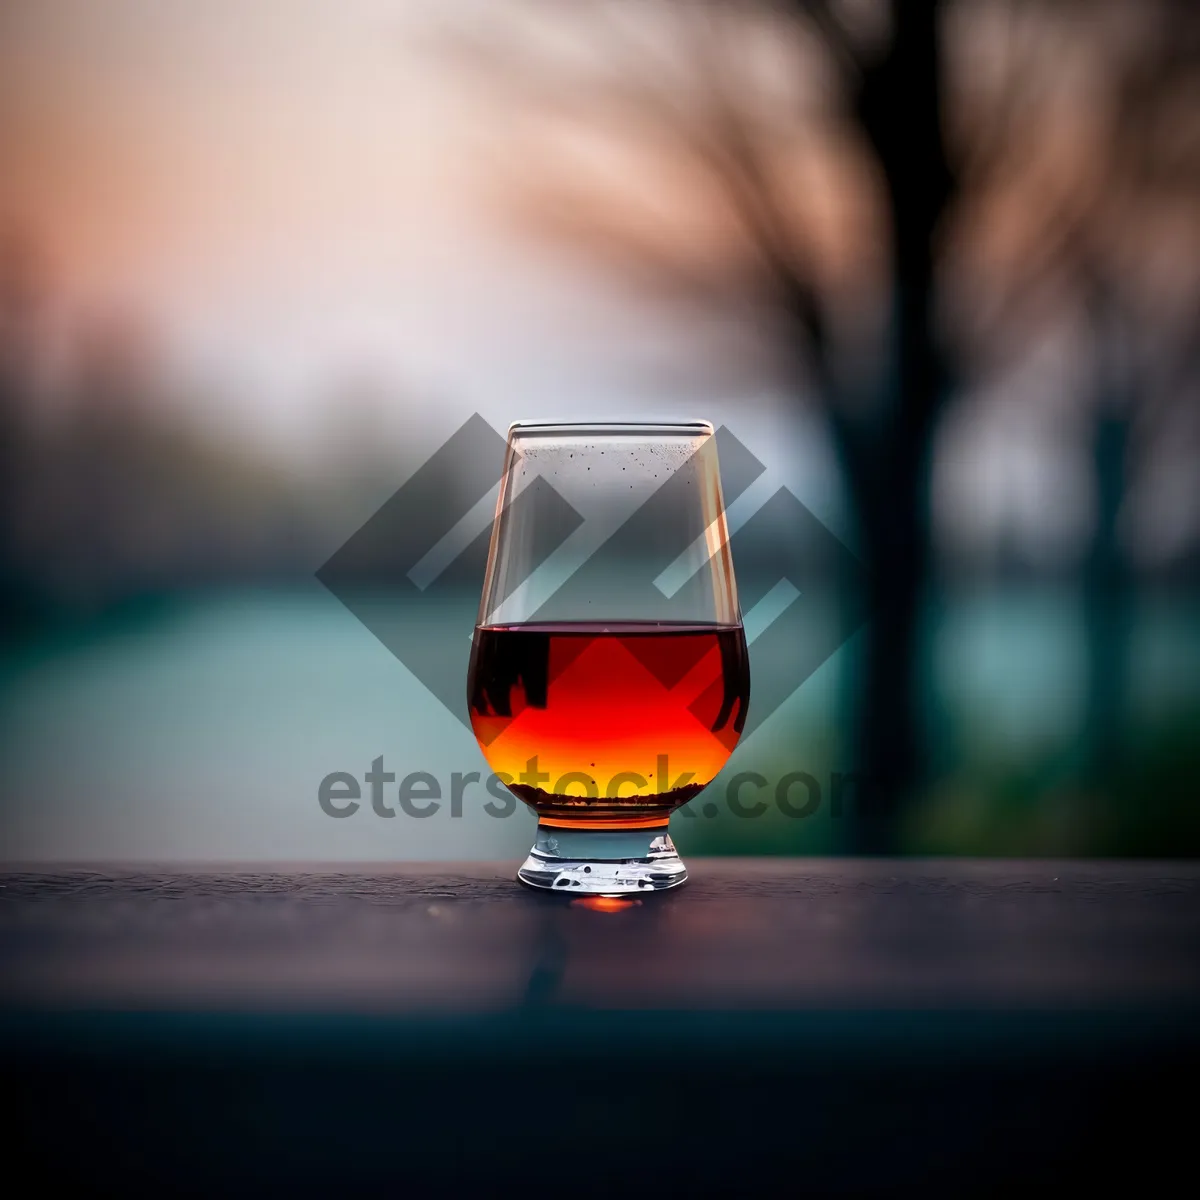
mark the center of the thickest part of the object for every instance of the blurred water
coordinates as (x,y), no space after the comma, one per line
(201,730)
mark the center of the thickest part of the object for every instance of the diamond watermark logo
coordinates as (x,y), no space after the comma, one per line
(413,573)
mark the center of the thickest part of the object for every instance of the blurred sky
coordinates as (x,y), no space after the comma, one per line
(292,195)
(229,167)
(297,200)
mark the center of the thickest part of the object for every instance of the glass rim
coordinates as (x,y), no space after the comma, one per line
(690,428)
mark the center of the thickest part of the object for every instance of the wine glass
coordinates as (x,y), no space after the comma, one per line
(609,678)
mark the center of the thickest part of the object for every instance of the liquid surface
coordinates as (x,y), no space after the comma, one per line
(614,724)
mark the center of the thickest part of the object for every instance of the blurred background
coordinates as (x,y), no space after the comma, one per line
(936,265)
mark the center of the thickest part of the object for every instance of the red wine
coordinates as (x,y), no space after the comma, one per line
(614,724)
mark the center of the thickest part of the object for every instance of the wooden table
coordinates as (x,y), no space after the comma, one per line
(811,1024)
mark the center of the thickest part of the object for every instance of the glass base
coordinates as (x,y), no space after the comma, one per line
(603,862)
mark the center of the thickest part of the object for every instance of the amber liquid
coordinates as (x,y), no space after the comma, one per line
(614,725)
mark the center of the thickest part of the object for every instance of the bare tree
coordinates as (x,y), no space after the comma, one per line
(709,93)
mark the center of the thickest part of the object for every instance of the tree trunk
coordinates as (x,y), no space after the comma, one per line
(1106,591)
(889,733)
(900,111)
(1107,618)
